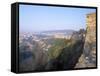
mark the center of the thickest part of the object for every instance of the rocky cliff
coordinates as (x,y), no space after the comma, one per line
(88,58)
(70,54)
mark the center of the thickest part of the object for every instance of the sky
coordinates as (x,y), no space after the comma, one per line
(34,18)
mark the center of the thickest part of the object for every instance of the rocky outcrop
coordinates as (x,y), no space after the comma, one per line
(88,58)
(69,55)
(31,57)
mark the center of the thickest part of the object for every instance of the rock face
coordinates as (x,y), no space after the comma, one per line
(31,57)
(70,54)
(88,58)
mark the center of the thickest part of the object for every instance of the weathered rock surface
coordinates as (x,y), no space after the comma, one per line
(88,58)
(31,57)
(69,55)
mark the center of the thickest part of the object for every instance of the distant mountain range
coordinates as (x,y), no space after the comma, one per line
(50,32)
(60,31)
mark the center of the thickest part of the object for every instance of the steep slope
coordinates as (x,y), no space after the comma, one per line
(69,54)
